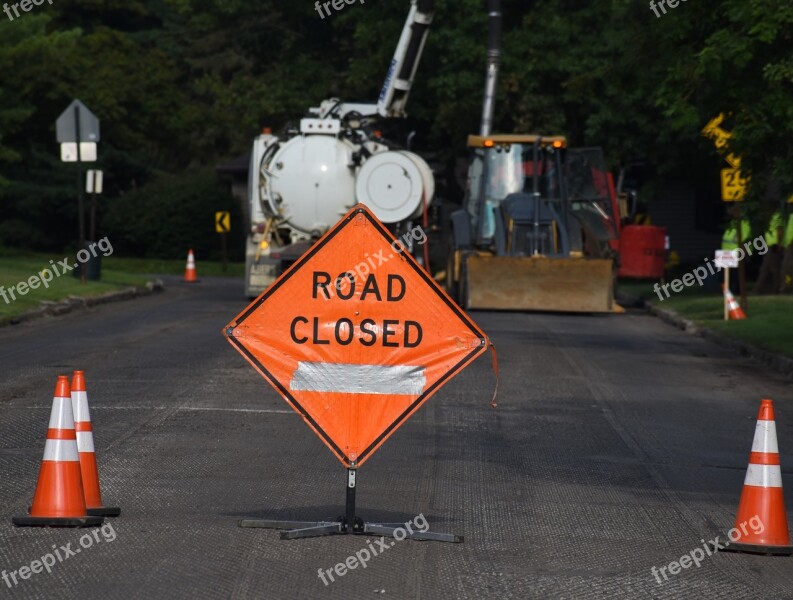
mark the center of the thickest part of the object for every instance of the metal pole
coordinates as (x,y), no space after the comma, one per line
(350,512)
(726,288)
(92,228)
(535,176)
(224,249)
(80,202)
(564,203)
(742,266)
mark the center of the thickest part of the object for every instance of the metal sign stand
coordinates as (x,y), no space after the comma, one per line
(348,524)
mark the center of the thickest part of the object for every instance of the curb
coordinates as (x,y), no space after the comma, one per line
(48,308)
(777,362)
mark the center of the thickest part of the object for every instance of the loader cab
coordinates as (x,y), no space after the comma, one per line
(535,228)
(575,203)
(506,174)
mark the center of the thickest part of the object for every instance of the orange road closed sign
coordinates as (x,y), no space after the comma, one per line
(356,336)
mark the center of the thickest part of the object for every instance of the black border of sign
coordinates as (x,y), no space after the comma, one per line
(421,272)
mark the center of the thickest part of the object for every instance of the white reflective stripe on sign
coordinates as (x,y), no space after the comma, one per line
(61,416)
(768,476)
(61,450)
(85,441)
(401,380)
(80,406)
(765,437)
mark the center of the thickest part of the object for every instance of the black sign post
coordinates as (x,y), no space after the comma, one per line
(78,125)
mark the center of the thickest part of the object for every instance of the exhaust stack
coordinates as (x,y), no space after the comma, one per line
(493,63)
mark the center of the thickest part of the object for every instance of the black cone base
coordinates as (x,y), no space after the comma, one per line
(757,549)
(87,521)
(105,511)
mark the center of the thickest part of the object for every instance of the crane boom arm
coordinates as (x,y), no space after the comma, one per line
(399,80)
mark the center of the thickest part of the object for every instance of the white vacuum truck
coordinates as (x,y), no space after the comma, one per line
(303,181)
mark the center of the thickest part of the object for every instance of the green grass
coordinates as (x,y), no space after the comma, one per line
(18,266)
(644,289)
(14,270)
(769,326)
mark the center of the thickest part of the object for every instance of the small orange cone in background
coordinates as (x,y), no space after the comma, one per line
(59,499)
(762,497)
(735,311)
(85,448)
(190,275)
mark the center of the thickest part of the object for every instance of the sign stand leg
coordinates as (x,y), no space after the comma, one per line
(351,519)
(742,267)
(726,287)
(224,251)
(347,524)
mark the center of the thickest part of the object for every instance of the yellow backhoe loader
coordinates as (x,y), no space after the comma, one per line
(538,228)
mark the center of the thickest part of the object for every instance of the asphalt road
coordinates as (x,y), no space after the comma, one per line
(619,444)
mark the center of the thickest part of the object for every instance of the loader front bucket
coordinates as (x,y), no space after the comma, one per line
(538,283)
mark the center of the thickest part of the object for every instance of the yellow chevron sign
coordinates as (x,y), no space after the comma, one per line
(222,221)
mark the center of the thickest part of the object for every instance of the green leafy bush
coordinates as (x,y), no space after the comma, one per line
(170,215)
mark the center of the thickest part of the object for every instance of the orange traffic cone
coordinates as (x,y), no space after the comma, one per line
(762,504)
(190,275)
(85,447)
(59,500)
(735,311)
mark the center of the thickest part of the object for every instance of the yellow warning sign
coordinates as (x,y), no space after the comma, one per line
(733,186)
(720,139)
(222,221)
